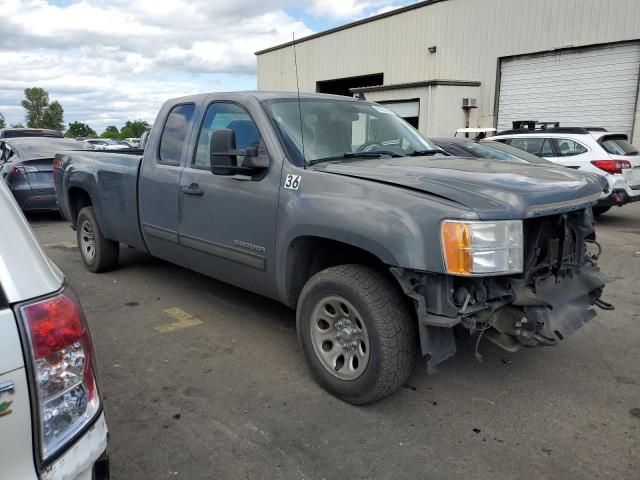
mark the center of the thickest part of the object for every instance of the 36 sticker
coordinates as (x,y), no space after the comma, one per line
(292,182)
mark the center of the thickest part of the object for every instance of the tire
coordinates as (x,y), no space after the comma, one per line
(371,321)
(597,211)
(98,253)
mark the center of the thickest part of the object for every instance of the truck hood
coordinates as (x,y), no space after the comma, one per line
(494,189)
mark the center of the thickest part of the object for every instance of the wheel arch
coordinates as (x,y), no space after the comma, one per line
(78,198)
(306,255)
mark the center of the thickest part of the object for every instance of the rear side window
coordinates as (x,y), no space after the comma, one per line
(175,133)
(618,145)
(569,148)
(536,146)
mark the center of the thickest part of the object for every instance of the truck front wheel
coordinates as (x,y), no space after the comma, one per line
(357,333)
(98,253)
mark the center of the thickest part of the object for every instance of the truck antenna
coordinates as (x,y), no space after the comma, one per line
(295,61)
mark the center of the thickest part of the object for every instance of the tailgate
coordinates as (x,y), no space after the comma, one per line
(16,453)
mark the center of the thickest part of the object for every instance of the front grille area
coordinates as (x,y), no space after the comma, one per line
(556,245)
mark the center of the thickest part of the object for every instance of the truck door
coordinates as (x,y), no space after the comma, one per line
(228,223)
(159,178)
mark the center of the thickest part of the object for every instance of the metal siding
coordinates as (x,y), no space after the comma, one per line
(592,87)
(471,36)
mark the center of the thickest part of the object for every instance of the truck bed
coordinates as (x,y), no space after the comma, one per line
(110,178)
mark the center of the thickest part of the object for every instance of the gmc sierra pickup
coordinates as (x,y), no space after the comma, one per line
(338,208)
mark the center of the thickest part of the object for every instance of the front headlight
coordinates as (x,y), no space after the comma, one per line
(482,248)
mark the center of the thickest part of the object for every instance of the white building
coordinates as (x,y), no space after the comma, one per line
(572,61)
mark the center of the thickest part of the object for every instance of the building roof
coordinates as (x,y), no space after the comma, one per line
(423,83)
(374,18)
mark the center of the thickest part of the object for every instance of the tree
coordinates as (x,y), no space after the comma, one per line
(53,117)
(110,132)
(79,129)
(41,114)
(127,132)
(137,127)
(36,101)
(3,124)
(17,125)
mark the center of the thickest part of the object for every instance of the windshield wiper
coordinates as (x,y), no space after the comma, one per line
(374,154)
(425,153)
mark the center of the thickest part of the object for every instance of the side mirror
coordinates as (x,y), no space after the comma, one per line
(222,149)
(224,155)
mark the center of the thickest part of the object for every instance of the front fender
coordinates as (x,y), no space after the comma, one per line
(398,226)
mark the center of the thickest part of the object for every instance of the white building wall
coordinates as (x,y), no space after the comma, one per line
(470,36)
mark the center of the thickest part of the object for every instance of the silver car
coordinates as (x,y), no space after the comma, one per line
(51,421)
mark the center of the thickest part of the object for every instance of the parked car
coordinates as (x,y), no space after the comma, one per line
(29,132)
(465,147)
(105,144)
(26,165)
(588,149)
(52,424)
(339,209)
(133,142)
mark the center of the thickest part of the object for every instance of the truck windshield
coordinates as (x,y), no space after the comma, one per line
(315,130)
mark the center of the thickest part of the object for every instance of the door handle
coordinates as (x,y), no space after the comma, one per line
(193,189)
(7,387)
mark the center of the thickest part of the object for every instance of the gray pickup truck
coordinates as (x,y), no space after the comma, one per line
(338,208)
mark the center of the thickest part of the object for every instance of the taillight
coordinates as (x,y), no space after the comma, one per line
(611,166)
(63,363)
(22,170)
(57,163)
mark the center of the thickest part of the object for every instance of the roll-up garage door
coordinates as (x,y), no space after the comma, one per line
(404,108)
(595,87)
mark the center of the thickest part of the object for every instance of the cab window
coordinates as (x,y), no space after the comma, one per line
(225,115)
(174,135)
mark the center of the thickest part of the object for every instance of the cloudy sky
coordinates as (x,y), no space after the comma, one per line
(110,61)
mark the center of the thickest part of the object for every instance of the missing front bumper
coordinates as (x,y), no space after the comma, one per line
(510,314)
(548,313)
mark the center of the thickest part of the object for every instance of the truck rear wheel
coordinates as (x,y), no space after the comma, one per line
(357,333)
(98,253)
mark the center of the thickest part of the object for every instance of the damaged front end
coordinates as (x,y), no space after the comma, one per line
(553,296)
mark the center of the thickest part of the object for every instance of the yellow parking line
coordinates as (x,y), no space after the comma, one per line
(183,320)
(60,245)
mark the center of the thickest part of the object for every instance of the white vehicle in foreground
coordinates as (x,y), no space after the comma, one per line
(589,149)
(51,422)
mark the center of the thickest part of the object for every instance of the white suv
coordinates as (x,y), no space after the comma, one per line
(589,149)
(51,421)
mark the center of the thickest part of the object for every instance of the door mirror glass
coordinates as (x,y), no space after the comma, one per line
(222,151)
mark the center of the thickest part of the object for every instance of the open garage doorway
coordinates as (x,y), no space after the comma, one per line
(342,86)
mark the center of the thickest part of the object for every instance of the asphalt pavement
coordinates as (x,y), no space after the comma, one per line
(202,380)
